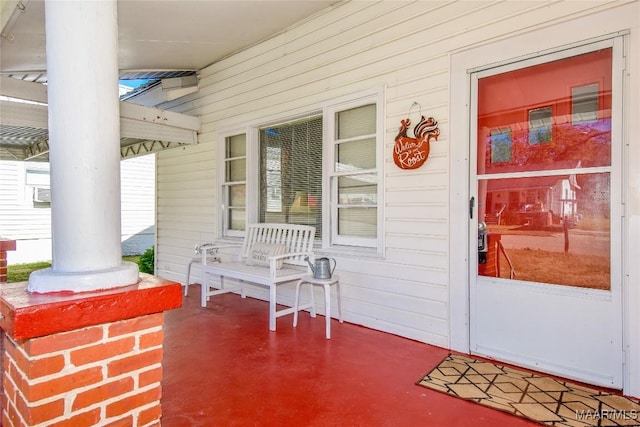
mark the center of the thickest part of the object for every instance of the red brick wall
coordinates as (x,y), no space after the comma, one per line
(5,245)
(108,374)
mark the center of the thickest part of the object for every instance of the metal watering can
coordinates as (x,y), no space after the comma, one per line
(322,268)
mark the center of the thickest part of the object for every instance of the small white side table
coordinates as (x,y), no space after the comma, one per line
(326,284)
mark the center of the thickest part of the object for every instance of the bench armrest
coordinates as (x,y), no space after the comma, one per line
(206,249)
(273,260)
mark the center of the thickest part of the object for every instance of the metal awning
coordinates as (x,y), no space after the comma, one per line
(24,125)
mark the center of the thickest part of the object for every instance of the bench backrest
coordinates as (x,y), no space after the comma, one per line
(298,238)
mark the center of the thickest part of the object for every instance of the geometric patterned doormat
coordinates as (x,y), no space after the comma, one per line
(538,398)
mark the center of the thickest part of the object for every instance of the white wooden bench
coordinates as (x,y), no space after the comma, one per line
(270,255)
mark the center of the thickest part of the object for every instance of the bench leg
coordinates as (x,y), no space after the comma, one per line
(339,303)
(272,307)
(221,286)
(188,281)
(296,304)
(204,290)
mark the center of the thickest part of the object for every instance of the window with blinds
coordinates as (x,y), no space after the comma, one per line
(291,173)
(322,170)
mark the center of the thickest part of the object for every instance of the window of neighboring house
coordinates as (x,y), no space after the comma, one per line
(584,103)
(38,185)
(321,170)
(501,145)
(540,125)
(234,187)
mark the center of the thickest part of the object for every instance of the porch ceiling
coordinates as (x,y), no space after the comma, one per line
(157,40)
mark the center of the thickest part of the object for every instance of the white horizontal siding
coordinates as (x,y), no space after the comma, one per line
(137,181)
(186,204)
(25,223)
(19,217)
(30,224)
(402,46)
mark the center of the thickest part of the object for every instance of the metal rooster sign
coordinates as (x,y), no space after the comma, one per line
(411,153)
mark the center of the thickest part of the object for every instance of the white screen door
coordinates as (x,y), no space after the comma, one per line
(545,292)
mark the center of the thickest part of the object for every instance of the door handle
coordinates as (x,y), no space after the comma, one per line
(472,204)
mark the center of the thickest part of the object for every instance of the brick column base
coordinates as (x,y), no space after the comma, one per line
(84,359)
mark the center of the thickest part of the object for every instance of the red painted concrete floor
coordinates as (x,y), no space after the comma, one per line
(223,367)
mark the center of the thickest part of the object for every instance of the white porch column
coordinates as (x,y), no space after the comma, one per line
(84,149)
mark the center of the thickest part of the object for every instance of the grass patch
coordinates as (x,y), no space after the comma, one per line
(594,224)
(584,271)
(21,272)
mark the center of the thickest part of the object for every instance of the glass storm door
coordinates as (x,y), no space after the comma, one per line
(546,289)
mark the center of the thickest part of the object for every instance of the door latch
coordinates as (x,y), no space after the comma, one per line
(472,204)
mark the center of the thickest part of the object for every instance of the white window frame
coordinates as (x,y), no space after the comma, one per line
(223,194)
(330,181)
(329,239)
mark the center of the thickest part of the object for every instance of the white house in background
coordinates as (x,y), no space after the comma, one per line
(25,213)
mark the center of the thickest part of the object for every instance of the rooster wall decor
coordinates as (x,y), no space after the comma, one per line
(411,153)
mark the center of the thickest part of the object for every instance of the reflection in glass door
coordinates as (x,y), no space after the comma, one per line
(544,159)
(544,165)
